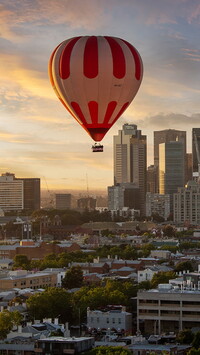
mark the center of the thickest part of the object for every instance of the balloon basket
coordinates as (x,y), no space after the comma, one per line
(97,148)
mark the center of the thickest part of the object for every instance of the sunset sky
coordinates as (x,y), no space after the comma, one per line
(38,138)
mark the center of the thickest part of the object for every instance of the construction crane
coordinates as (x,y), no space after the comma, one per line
(51,200)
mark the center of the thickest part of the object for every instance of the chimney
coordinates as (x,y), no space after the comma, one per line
(56,321)
(66,331)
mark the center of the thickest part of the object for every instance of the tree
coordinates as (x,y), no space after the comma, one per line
(162,277)
(7,321)
(193,352)
(168,230)
(21,262)
(184,266)
(73,278)
(185,336)
(196,340)
(109,350)
(51,303)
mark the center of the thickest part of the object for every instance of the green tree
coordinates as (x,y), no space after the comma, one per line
(73,278)
(185,336)
(196,340)
(7,321)
(51,303)
(193,352)
(21,262)
(109,350)
(169,230)
(184,266)
(162,277)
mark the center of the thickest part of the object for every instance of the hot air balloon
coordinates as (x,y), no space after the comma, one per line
(95,78)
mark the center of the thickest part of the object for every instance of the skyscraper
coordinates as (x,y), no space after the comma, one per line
(166,136)
(130,155)
(195,150)
(63,201)
(171,168)
(19,193)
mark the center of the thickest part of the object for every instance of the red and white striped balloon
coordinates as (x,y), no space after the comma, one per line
(96,78)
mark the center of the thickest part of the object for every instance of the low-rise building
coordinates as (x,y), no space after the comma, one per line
(168,309)
(115,319)
(61,345)
(21,279)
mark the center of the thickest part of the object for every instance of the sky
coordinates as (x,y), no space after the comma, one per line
(38,138)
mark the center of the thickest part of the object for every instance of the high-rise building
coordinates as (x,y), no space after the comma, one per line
(19,194)
(195,150)
(187,204)
(123,195)
(63,201)
(152,176)
(171,168)
(130,156)
(31,193)
(188,172)
(157,204)
(166,136)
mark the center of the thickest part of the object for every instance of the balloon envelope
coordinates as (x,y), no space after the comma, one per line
(95,78)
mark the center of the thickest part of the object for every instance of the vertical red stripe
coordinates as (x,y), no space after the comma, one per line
(119,64)
(138,61)
(90,63)
(93,108)
(64,65)
(120,112)
(110,108)
(78,111)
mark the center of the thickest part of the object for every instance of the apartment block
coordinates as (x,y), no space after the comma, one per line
(168,309)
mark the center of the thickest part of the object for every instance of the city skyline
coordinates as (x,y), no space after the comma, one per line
(38,138)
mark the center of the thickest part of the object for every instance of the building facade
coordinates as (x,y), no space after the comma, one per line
(195,150)
(19,194)
(187,204)
(118,319)
(123,195)
(171,168)
(63,201)
(157,204)
(166,136)
(168,309)
(130,155)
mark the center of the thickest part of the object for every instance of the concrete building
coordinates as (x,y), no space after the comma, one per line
(195,150)
(87,203)
(168,309)
(21,279)
(117,319)
(171,168)
(63,201)
(123,195)
(166,136)
(19,194)
(158,204)
(187,204)
(130,155)
(152,177)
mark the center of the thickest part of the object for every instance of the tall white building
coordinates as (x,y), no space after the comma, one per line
(11,193)
(130,159)
(187,204)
